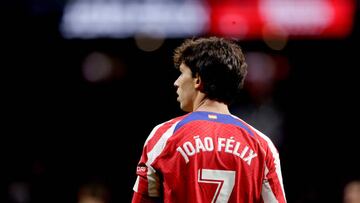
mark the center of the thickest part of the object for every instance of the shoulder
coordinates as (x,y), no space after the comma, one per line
(165,128)
(264,141)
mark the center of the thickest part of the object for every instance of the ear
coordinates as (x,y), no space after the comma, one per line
(198,82)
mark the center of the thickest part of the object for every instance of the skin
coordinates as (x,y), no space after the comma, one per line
(191,98)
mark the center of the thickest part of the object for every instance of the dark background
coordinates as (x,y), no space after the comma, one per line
(59,131)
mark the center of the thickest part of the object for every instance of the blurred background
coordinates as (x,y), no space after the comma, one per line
(85,81)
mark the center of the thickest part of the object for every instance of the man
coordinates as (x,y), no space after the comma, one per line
(208,155)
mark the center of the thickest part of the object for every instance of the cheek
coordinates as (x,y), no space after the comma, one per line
(184,88)
(186,93)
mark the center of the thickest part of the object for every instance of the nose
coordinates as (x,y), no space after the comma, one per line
(176,85)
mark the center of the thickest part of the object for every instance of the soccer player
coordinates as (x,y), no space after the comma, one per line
(208,155)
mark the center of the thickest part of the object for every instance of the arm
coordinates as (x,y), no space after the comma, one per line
(147,185)
(272,187)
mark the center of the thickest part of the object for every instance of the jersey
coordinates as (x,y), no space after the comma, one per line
(205,157)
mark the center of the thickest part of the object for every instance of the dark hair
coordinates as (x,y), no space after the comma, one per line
(219,62)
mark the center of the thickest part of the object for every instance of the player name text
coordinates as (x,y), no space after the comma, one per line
(207,144)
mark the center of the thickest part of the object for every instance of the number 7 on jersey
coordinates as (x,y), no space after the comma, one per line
(225,180)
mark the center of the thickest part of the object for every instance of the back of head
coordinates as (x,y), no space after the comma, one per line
(219,62)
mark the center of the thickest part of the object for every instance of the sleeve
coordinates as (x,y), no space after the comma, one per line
(272,186)
(147,181)
(147,185)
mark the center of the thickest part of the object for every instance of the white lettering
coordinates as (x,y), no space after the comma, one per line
(206,144)
(209,145)
(221,143)
(189,148)
(179,149)
(199,145)
(244,152)
(235,152)
(229,144)
(250,157)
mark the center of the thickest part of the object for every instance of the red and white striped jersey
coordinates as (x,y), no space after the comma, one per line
(206,157)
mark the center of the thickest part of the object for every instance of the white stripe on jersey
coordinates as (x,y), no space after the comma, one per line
(152,133)
(160,145)
(267,194)
(152,177)
(276,157)
(136,186)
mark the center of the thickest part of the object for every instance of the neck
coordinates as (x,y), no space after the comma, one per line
(212,106)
